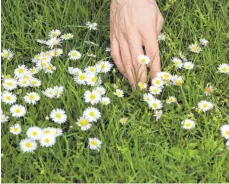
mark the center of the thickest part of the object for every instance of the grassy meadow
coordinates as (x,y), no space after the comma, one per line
(143,150)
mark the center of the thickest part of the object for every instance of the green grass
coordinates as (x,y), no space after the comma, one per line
(143,150)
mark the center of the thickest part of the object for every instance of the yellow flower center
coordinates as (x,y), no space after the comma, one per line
(178,83)
(92,69)
(82,77)
(31,97)
(18,110)
(92,97)
(227,132)
(154,105)
(8,98)
(74,54)
(92,113)
(34,133)
(188,124)
(28,145)
(143,60)
(6,54)
(224,69)
(20,70)
(15,129)
(158,82)
(47,131)
(103,66)
(207,90)
(205,105)
(46,140)
(94,143)
(10,84)
(83,122)
(58,115)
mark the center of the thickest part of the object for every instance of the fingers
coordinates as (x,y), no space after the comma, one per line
(152,51)
(115,54)
(126,60)
(160,22)
(140,69)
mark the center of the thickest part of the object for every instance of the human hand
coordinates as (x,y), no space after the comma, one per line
(134,24)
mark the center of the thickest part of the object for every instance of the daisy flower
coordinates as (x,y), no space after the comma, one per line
(32,98)
(54,33)
(58,91)
(208,90)
(177,62)
(155,104)
(57,52)
(104,66)
(158,114)
(74,55)
(177,80)
(105,101)
(49,131)
(205,105)
(119,93)
(8,97)
(17,110)
(7,54)
(91,26)
(74,71)
(91,70)
(188,124)
(161,37)
(28,145)
(92,97)
(224,68)
(142,85)
(164,75)
(58,132)
(123,121)
(58,116)
(15,129)
(147,97)
(92,114)
(182,56)
(225,131)
(53,42)
(47,140)
(93,80)
(188,65)
(94,143)
(171,99)
(204,42)
(24,83)
(34,70)
(10,84)
(41,41)
(91,55)
(101,90)
(4,118)
(49,68)
(158,82)
(83,123)
(67,36)
(34,133)
(155,90)
(195,48)
(49,92)
(81,78)
(143,59)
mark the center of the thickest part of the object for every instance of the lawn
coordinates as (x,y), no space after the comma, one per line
(142,150)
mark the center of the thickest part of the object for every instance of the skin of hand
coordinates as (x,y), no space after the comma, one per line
(135,24)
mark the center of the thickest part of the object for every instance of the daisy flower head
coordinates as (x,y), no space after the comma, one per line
(155,90)
(58,116)
(208,90)
(49,92)
(161,37)
(47,140)
(123,121)
(164,75)
(24,83)
(93,80)
(17,110)
(57,52)
(28,145)
(7,54)
(182,56)
(143,59)
(34,133)
(188,124)
(58,132)
(225,131)
(204,42)
(158,114)
(4,118)
(155,104)
(158,82)
(74,71)
(224,68)
(195,48)
(34,70)
(53,42)
(84,123)
(91,55)
(20,71)
(91,26)
(101,90)
(119,93)
(41,41)
(104,66)
(49,131)
(15,129)
(8,97)
(58,91)
(49,68)
(205,105)
(32,98)
(171,99)
(94,143)
(81,78)
(91,70)
(188,65)
(92,97)
(54,33)
(177,80)
(74,55)
(142,85)
(10,84)
(105,101)
(147,97)
(177,62)
(92,114)
(67,36)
